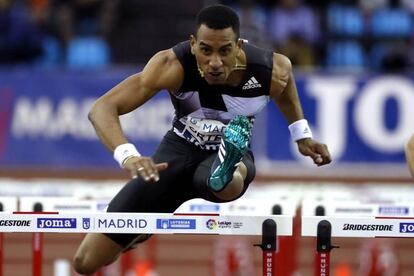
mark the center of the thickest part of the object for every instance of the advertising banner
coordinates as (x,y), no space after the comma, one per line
(43,119)
(152,223)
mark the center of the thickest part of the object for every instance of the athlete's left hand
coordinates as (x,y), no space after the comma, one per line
(317,151)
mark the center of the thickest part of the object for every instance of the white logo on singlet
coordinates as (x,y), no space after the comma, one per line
(205,133)
(251,83)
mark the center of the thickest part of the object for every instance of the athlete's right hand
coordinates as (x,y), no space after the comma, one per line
(144,167)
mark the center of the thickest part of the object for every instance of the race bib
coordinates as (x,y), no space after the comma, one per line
(204,133)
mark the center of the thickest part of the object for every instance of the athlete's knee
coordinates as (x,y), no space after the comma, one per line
(410,144)
(95,251)
(233,189)
(84,265)
(242,170)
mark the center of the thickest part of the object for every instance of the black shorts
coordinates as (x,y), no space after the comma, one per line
(185,178)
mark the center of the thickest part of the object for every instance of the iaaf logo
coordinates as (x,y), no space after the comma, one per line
(56,223)
(407,227)
(366,227)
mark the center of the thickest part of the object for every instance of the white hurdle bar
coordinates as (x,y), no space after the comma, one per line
(362,227)
(153,223)
(40,215)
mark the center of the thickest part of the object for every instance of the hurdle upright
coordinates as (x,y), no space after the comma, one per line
(7,204)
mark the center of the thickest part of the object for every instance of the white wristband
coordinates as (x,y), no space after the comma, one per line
(123,152)
(300,130)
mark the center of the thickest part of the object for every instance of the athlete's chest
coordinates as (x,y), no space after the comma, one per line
(250,85)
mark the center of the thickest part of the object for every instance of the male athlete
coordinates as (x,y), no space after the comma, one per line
(217,85)
(409,154)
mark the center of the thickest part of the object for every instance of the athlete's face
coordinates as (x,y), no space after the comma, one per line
(215,52)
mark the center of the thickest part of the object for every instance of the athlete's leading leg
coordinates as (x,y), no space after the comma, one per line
(242,177)
(228,172)
(236,186)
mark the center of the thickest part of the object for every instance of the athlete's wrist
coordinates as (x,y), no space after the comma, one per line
(300,130)
(124,152)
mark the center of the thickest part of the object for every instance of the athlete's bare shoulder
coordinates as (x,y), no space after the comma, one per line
(282,68)
(165,69)
(166,57)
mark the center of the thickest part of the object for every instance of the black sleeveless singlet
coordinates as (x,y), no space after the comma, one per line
(203,110)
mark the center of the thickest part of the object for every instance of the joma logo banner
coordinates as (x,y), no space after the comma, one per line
(56,223)
(406,227)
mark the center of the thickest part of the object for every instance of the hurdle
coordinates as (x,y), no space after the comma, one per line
(343,210)
(286,246)
(324,228)
(39,222)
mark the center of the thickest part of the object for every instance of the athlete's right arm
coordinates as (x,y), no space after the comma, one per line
(163,71)
(409,154)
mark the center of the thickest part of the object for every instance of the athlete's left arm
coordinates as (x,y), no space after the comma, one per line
(409,154)
(285,95)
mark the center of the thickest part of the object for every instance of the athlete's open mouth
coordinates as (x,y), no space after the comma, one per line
(215,74)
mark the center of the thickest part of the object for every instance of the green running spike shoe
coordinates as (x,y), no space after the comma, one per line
(234,144)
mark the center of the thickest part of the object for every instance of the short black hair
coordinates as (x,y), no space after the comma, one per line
(218,17)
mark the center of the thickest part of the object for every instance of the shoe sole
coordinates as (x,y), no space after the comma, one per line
(236,138)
